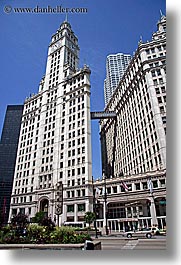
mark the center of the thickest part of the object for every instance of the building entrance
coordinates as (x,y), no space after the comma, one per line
(44,206)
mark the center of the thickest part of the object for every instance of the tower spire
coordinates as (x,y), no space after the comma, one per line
(161,14)
(66,17)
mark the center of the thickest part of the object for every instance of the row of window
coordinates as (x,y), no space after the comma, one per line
(70,60)
(22,199)
(80,207)
(158,48)
(24,182)
(132,187)
(76,193)
(139,164)
(32,104)
(23,190)
(156,64)
(73,162)
(54,70)
(72,183)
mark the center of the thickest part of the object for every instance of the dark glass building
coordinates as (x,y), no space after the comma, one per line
(8,150)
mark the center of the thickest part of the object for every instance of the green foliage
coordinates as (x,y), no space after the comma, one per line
(42,220)
(38,234)
(9,235)
(47,221)
(89,217)
(67,235)
(38,217)
(20,220)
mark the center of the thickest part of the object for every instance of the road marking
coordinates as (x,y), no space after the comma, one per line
(131,244)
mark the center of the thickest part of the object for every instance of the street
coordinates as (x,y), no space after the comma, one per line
(113,243)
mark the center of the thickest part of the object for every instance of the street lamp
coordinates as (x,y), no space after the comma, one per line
(105,203)
(94,207)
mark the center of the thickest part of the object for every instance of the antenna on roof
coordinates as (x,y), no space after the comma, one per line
(66,17)
(141,40)
(161,14)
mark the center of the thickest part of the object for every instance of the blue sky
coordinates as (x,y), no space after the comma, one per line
(108,27)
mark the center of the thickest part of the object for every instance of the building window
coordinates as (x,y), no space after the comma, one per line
(83,170)
(83,193)
(115,189)
(162,182)
(70,208)
(144,185)
(81,207)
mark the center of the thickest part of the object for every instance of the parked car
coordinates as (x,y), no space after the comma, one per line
(157,231)
(163,231)
(144,232)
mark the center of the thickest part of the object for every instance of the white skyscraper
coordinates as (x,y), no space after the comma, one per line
(135,142)
(116,65)
(55,138)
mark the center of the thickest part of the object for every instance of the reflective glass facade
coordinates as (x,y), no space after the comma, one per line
(8,149)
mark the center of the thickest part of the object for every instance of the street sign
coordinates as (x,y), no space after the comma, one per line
(102,115)
(59,198)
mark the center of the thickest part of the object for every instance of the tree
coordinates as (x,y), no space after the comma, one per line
(19,220)
(39,216)
(43,220)
(47,221)
(89,217)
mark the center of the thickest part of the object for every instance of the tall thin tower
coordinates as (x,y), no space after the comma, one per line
(55,138)
(116,65)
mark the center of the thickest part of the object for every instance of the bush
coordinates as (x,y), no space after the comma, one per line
(10,235)
(37,234)
(38,217)
(20,220)
(89,217)
(47,221)
(68,235)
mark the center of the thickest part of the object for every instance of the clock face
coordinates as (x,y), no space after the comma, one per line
(71,45)
(55,46)
(58,43)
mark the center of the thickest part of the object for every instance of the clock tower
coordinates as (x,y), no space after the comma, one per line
(63,56)
(53,170)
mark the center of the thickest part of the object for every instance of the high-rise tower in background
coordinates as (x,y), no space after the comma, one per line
(116,65)
(55,138)
(8,149)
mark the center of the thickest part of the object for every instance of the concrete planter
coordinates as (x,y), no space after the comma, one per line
(96,246)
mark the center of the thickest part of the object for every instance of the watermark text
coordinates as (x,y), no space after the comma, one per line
(44,10)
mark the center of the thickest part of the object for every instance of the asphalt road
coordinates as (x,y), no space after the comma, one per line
(141,243)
